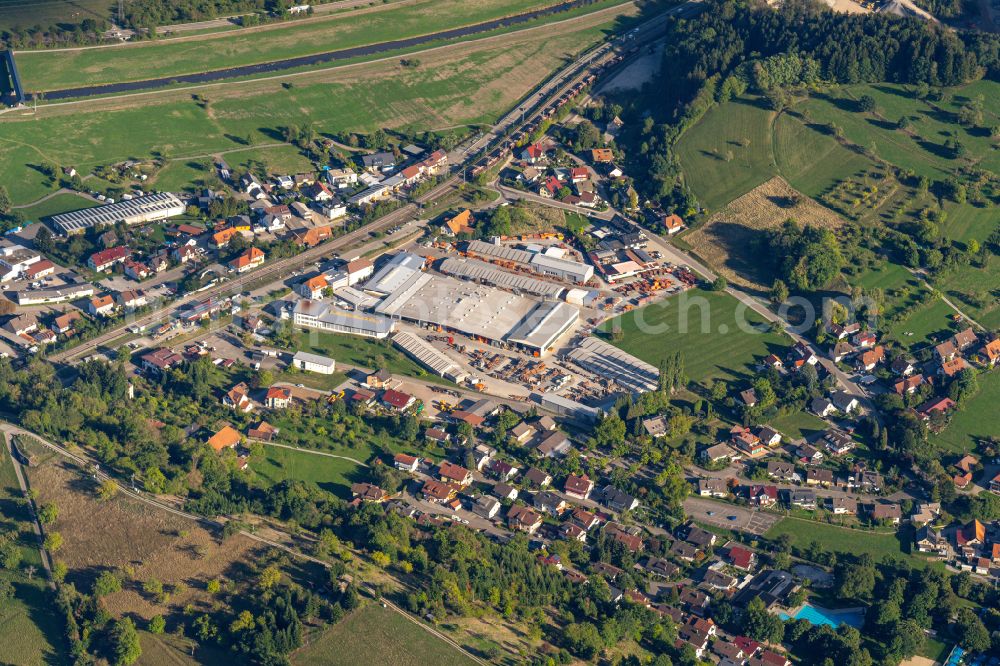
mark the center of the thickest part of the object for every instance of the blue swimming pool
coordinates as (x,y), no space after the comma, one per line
(854,617)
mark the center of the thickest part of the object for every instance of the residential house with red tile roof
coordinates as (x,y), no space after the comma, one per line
(227,438)
(524,519)
(278,397)
(578,487)
(458,224)
(249,260)
(397,400)
(105,259)
(450,472)
(238,398)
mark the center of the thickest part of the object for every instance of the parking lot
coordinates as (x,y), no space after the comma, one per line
(729,516)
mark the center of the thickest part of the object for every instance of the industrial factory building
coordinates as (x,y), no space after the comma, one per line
(480,271)
(429,357)
(326,317)
(610,362)
(542,262)
(141,210)
(478,311)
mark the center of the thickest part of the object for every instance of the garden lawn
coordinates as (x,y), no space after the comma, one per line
(900,286)
(362,352)
(972,289)
(798,425)
(702,326)
(934,649)
(977,419)
(334,475)
(377,635)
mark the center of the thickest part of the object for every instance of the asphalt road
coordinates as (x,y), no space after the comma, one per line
(315,59)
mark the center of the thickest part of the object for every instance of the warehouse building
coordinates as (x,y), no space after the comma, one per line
(483,313)
(537,262)
(141,210)
(55,295)
(399,271)
(544,326)
(610,362)
(562,269)
(498,252)
(480,271)
(325,317)
(570,409)
(314,363)
(429,357)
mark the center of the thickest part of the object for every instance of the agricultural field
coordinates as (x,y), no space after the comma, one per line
(54,70)
(378,635)
(924,326)
(711,331)
(728,152)
(143,542)
(382,94)
(740,144)
(808,157)
(976,420)
(31,631)
(727,239)
(920,146)
(334,475)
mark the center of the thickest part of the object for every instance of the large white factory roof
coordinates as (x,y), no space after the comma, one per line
(140,210)
(391,277)
(475,269)
(477,310)
(546,324)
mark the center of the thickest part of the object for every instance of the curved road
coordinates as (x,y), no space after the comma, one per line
(317,58)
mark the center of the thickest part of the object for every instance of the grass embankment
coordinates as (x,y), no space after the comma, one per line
(844,540)
(378,635)
(55,70)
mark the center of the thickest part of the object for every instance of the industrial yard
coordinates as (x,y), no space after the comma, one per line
(512,317)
